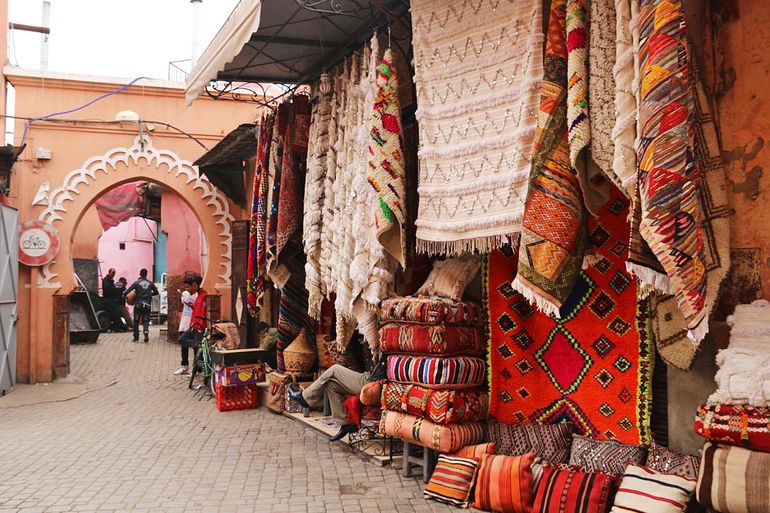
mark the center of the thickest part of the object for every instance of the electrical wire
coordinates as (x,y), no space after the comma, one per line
(75,109)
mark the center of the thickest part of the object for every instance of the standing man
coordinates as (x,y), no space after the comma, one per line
(145,289)
(112,300)
(191,337)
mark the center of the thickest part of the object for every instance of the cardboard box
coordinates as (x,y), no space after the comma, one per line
(241,375)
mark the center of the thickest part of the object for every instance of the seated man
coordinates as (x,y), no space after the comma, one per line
(339,382)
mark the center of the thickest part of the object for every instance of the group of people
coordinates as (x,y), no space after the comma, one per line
(115,295)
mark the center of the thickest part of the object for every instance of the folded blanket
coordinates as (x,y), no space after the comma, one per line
(431,372)
(438,340)
(431,310)
(742,425)
(743,378)
(439,406)
(433,436)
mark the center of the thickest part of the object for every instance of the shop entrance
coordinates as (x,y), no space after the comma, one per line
(66,209)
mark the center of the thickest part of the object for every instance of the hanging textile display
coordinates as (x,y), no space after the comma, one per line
(315,195)
(669,325)
(258,223)
(551,244)
(274,184)
(386,164)
(593,366)
(601,85)
(478,67)
(626,74)
(668,216)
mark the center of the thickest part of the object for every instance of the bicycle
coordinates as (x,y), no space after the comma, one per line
(202,361)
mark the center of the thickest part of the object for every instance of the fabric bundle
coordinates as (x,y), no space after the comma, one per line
(477,70)
(439,406)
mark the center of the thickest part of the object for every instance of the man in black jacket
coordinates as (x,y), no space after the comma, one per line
(145,289)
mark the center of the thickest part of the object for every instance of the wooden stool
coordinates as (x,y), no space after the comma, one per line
(411,459)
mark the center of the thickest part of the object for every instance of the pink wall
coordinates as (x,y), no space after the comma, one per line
(183,244)
(138,253)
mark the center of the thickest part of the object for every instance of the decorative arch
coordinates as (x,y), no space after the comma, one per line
(176,173)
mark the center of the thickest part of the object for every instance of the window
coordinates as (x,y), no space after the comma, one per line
(122,246)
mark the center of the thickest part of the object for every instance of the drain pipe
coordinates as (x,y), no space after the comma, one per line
(45,23)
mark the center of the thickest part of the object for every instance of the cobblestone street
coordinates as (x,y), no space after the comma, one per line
(138,440)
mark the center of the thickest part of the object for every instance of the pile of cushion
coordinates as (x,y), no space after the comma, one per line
(532,468)
(435,347)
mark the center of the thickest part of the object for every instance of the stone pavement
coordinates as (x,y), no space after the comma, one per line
(136,439)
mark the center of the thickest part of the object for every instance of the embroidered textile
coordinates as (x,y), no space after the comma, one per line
(743,377)
(551,244)
(452,480)
(386,162)
(667,461)
(505,483)
(743,425)
(292,309)
(436,340)
(477,68)
(475,451)
(608,456)
(601,85)
(668,210)
(734,479)
(551,443)
(432,372)
(571,490)
(431,310)
(442,438)
(439,406)
(643,489)
(274,185)
(626,74)
(669,325)
(593,366)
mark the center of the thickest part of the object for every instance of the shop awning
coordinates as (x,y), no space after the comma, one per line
(223,164)
(286,41)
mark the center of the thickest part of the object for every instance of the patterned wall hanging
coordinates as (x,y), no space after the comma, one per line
(478,65)
(592,367)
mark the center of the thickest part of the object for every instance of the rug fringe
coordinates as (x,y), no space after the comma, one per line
(537,300)
(653,279)
(460,247)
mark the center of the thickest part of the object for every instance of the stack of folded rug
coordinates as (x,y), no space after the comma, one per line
(433,396)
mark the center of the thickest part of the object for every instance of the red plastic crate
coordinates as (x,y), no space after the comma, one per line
(242,397)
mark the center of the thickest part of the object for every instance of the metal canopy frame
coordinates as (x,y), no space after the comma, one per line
(283,52)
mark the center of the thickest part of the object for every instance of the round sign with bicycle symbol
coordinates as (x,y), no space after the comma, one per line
(38,243)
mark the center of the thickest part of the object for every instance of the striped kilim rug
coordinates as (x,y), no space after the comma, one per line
(591,367)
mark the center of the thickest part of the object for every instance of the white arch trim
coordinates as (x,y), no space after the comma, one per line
(142,149)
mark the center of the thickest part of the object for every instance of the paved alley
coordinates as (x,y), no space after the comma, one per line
(138,440)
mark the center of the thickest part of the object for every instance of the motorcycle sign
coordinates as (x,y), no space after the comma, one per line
(38,243)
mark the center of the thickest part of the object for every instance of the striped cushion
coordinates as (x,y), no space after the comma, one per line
(550,442)
(643,489)
(428,371)
(433,436)
(743,425)
(505,484)
(437,340)
(452,480)
(734,479)
(608,456)
(431,310)
(439,406)
(571,490)
(475,451)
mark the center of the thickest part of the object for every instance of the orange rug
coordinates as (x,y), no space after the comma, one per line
(592,367)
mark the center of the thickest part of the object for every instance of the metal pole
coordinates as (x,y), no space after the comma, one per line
(45,22)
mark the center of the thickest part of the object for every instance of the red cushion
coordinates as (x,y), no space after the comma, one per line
(573,490)
(504,484)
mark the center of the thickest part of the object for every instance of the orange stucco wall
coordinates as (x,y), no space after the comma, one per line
(86,241)
(74,146)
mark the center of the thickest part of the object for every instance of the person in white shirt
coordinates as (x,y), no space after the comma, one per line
(188,300)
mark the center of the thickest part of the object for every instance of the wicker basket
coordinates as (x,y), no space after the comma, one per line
(300,355)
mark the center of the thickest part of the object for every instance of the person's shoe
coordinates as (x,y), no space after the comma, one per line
(296,393)
(181,370)
(345,429)
(146,338)
(136,340)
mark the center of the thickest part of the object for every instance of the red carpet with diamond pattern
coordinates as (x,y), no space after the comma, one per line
(593,366)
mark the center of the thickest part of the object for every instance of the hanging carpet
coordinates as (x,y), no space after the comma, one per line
(591,367)
(478,66)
